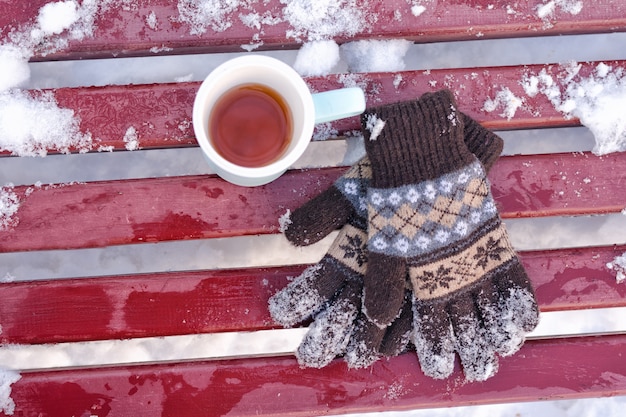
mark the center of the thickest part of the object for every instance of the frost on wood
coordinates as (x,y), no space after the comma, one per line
(7,378)
(30,126)
(619,266)
(9,205)
(597,101)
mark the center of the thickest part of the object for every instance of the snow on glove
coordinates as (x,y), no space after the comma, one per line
(431,217)
(487,147)
(332,289)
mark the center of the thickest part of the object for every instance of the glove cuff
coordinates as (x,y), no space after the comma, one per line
(414,141)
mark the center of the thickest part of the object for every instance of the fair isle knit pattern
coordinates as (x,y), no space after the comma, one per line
(354,183)
(417,219)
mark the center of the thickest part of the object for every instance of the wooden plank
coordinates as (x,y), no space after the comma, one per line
(542,370)
(127,31)
(161,113)
(121,307)
(107,213)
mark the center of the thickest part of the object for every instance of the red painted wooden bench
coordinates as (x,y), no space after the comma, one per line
(141,211)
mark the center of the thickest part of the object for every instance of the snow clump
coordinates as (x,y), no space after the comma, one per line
(619,266)
(375,55)
(32,125)
(597,101)
(7,378)
(317,58)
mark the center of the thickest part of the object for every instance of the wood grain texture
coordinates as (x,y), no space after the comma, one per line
(121,307)
(547,370)
(126,31)
(99,214)
(160,114)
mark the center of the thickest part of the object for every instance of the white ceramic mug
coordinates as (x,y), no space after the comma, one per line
(306,110)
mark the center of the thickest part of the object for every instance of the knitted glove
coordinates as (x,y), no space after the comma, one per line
(431,217)
(331,290)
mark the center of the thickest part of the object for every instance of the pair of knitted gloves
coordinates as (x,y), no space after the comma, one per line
(421,257)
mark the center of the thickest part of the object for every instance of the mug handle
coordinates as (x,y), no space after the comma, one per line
(338,104)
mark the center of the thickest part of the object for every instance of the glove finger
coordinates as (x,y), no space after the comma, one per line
(509,308)
(398,335)
(433,339)
(306,295)
(362,350)
(329,334)
(478,357)
(318,217)
(383,288)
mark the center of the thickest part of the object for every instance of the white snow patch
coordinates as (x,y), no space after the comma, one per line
(284,221)
(548,9)
(9,205)
(30,126)
(597,101)
(375,55)
(14,70)
(374,125)
(417,10)
(152,21)
(619,266)
(7,378)
(506,100)
(56,17)
(317,58)
(131,140)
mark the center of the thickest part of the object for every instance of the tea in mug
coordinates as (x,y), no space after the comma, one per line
(250,125)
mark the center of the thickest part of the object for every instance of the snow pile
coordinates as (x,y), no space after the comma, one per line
(375,55)
(619,266)
(14,69)
(30,126)
(9,204)
(7,378)
(597,100)
(317,58)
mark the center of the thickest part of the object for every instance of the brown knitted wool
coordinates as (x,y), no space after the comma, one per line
(431,217)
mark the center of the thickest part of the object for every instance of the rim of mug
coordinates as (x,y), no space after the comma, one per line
(291,155)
